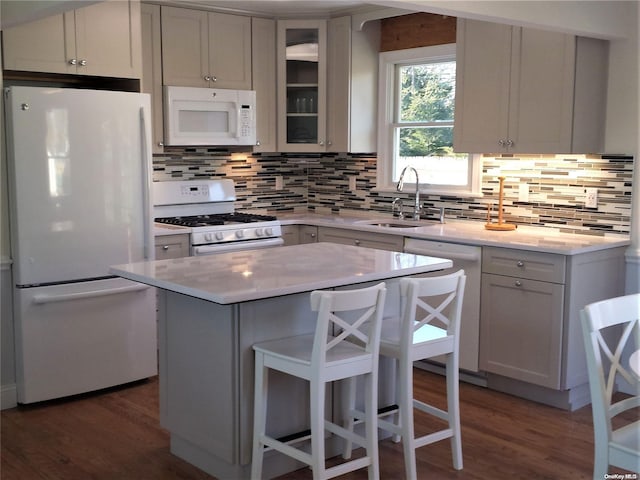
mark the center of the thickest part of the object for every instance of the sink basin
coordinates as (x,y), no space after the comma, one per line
(397,223)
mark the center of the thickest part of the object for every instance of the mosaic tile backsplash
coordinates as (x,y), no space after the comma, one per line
(320,183)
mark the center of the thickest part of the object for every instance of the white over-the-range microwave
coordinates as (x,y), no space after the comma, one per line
(209,116)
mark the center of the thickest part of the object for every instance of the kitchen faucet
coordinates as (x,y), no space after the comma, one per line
(416,208)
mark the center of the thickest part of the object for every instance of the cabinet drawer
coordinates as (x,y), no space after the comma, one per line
(381,241)
(171,246)
(546,267)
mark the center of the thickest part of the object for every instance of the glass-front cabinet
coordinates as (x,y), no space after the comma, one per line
(302,85)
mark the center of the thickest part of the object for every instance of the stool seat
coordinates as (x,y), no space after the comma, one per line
(293,355)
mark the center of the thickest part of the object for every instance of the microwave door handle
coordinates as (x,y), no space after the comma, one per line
(238,119)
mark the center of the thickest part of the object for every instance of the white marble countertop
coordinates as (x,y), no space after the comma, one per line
(540,239)
(160,229)
(248,275)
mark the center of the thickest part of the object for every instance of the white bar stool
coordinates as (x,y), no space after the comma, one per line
(413,337)
(609,327)
(321,358)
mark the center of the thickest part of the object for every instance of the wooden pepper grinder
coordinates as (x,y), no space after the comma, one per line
(502,226)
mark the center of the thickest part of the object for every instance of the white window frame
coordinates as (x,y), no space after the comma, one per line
(387,104)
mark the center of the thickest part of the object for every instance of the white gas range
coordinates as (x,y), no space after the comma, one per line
(206,208)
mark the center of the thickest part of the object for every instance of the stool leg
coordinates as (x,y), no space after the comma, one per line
(317,392)
(406,417)
(349,405)
(259,415)
(453,410)
(371,427)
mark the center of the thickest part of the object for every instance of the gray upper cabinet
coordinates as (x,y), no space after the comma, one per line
(205,49)
(263,60)
(102,39)
(522,90)
(352,86)
(152,69)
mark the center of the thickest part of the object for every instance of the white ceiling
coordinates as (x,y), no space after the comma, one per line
(276,8)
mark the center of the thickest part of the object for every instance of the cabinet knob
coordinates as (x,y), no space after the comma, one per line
(83,62)
(520,263)
(257,143)
(207,78)
(214,78)
(329,143)
(518,283)
(161,144)
(313,235)
(321,142)
(165,247)
(502,143)
(510,143)
(357,242)
(73,61)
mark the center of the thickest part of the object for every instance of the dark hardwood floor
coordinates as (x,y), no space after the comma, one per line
(115,435)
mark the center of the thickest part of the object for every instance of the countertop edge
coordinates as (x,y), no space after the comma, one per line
(240,297)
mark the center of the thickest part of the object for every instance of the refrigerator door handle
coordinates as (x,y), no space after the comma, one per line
(146,186)
(48,298)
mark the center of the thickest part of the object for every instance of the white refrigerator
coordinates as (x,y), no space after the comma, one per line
(79,178)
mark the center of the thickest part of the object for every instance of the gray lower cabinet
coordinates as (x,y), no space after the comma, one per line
(362,239)
(298,234)
(530,330)
(172,246)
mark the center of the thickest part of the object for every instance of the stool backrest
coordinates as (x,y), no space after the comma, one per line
(429,300)
(335,324)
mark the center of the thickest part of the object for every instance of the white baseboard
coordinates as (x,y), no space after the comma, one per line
(8,396)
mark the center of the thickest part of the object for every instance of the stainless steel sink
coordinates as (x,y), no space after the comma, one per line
(398,223)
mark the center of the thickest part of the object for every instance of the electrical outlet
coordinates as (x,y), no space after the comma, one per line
(279,182)
(591,198)
(523,192)
(352,183)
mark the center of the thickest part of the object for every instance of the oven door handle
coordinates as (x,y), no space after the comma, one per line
(237,246)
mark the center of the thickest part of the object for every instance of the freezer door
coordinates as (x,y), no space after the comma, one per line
(82,337)
(79,163)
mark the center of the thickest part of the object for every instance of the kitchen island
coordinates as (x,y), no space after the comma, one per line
(212,309)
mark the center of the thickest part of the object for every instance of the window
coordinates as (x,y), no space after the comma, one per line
(417,100)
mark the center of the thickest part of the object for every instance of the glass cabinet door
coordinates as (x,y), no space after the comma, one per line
(302,69)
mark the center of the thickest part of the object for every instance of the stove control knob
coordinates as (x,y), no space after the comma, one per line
(259,232)
(269,231)
(207,237)
(219,236)
(239,234)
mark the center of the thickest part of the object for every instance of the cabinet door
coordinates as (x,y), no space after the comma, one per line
(109,40)
(229,51)
(46,45)
(541,105)
(483,62)
(302,85)
(263,59)
(338,78)
(152,69)
(171,246)
(521,329)
(185,50)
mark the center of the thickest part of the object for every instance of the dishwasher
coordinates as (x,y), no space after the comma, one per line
(467,257)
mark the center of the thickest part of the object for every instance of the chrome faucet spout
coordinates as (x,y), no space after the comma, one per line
(416,208)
